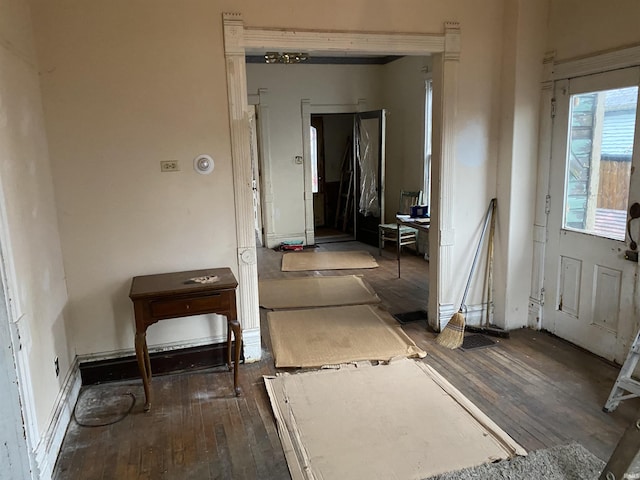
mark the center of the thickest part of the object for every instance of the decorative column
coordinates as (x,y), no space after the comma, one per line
(309,227)
(249,313)
(446,304)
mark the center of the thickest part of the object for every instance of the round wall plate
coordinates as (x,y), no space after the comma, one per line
(203,164)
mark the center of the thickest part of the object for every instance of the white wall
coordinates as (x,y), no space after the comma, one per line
(29,230)
(287,85)
(404,97)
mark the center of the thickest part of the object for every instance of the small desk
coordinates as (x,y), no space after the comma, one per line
(421,225)
(173,295)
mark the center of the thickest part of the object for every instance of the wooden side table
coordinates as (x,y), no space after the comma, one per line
(174,295)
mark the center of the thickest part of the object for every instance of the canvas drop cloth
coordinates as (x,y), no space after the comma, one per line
(309,292)
(302,261)
(333,335)
(401,421)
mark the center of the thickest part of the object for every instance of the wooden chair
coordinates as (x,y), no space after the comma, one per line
(388,232)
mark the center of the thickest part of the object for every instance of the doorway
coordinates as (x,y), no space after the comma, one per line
(445,49)
(590,281)
(347,176)
(333,201)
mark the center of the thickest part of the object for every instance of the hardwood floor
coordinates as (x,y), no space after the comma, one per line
(541,390)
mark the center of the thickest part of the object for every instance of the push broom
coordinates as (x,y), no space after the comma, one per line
(453,333)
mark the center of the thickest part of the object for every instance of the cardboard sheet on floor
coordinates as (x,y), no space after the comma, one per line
(303,261)
(334,335)
(396,421)
(309,292)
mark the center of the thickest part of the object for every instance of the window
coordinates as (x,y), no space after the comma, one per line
(598,161)
(426,187)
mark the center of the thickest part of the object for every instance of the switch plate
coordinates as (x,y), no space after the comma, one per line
(169,166)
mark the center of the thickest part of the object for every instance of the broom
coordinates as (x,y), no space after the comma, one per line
(453,333)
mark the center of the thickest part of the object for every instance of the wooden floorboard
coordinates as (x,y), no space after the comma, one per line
(540,389)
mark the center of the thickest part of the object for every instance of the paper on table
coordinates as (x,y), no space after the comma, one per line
(205,279)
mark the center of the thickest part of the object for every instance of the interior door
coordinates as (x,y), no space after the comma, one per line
(255,175)
(369,156)
(590,286)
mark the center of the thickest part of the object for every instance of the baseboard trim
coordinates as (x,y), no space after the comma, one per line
(48,447)
(252,345)
(474,315)
(162,362)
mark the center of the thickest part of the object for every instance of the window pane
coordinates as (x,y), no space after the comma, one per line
(600,146)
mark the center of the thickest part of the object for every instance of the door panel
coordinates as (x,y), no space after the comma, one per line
(591,285)
(369,132)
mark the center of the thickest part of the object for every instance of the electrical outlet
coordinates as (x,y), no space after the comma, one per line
(169,166)
(56,363)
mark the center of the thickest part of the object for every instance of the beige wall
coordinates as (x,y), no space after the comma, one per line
(127,84)
(29,231)
(583,27)
(525,30)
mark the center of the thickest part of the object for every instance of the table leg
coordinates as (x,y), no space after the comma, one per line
(237,335)
(229,363)
(398,248)
(144,365)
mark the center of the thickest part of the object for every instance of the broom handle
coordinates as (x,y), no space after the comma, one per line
(475,257)
(492,230)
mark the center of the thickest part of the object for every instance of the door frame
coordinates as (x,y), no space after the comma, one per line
(443,46)
(19,394)
(307,109)
(555,70)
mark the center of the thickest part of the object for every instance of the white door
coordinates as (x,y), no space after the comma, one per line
(255,175)
(590,286)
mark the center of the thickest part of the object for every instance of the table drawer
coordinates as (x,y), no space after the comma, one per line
(190,306)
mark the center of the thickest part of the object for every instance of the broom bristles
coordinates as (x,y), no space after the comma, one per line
(453,333)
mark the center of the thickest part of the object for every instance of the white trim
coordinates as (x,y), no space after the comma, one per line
(13,305)
(252,346)
(536,294)
(264,156)
(339,42)
(239,38)
(49,445)
(601,62)
(163,347)
(309,217)
(441,252)
(248,308)
(474,316)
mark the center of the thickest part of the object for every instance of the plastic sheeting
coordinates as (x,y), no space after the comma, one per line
(368,156)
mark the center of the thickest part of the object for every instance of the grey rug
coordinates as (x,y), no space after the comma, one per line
(565,462)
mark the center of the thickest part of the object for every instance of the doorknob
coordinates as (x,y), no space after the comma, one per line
(634,212)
